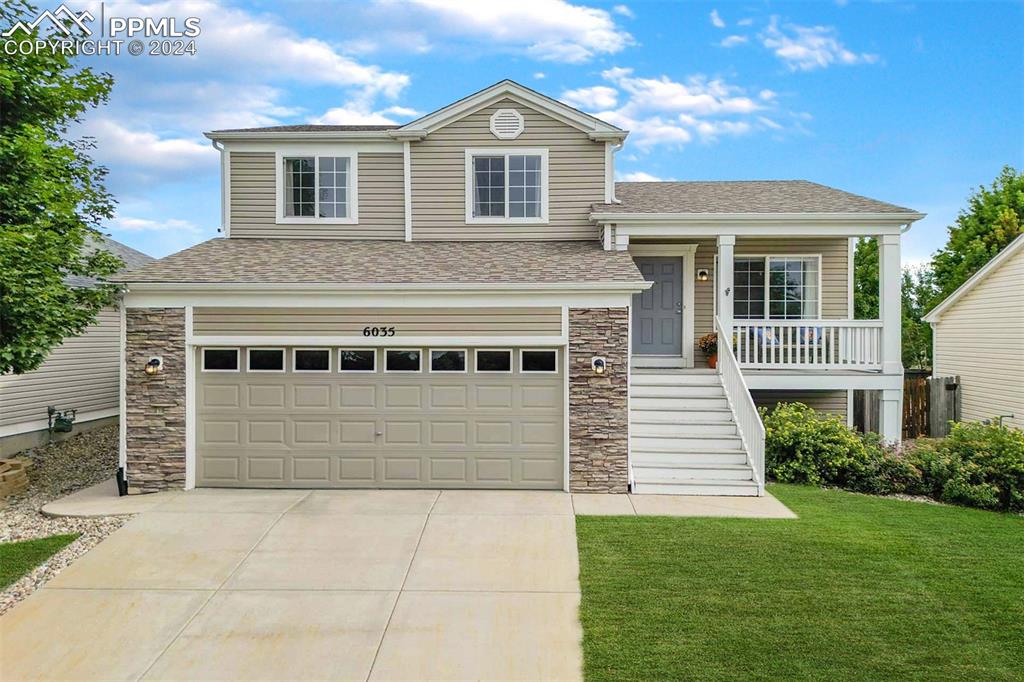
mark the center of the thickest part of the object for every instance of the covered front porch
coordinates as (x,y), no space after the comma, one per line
(784,300)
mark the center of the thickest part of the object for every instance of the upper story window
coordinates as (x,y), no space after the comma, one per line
(316,188)
(506,185)
(777,287)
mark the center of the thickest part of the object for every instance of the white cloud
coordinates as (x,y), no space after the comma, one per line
(697,96)
(127,224)
(551,30)
(747,21)
(147,152)
(408,112)
(805,48)
(663,111)
(767,95)
(624,11)
(716,19)
(596,97)
(733,41)
(638,176)
(540,75)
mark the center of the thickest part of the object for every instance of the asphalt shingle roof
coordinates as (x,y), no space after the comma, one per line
(335,261)
(307,129)
(741,196)
(132,260)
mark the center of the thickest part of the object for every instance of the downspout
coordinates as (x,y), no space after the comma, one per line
(219,146)
(615,147)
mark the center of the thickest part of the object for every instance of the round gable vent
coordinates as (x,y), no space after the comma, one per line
(507,124)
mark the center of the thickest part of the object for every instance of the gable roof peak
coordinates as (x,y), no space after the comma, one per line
(595,127)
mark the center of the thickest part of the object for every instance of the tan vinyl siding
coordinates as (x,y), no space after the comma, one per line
(981,339)
(834,275)
(832,402)
(81,374)
(576,178)
(408,322)
(380,196)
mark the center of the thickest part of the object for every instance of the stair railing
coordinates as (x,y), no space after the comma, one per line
(747,418)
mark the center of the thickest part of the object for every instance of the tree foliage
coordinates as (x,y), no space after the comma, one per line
(52,198)
(992,219)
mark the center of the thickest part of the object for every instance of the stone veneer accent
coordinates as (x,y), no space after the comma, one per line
(598,409)
(155,405)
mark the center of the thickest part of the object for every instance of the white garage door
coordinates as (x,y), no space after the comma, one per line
(417,417)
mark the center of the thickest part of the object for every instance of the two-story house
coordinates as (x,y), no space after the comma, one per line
(470,301)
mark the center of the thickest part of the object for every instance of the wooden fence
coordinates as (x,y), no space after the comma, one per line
(929,404)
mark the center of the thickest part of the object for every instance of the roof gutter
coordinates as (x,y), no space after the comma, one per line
(634,286)
(753,218)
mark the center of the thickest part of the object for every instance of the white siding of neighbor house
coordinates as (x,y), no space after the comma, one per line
(980,338)
(380,198)
(82,374)
(576,178)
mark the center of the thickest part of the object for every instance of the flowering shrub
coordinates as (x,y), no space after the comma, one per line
(977,465)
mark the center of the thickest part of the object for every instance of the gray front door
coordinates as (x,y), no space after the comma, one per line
(658,312)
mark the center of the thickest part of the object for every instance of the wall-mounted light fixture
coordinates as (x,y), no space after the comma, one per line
(154,366)
(703,275)
(598,365)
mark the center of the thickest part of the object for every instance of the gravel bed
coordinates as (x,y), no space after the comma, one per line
(58,470)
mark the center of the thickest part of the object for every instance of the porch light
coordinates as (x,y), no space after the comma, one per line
(598,365)
(703,275)
(154,366)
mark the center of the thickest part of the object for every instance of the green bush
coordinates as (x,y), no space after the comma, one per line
(977,465)
(804,446)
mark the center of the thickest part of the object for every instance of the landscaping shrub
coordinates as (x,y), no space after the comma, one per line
(977,465)
(804,446)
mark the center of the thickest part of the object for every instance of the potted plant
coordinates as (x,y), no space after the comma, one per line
(708,344)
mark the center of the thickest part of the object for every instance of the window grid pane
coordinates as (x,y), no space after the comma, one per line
(334,187)
(748,288)
(524,186)
(489,186)
(300,183)
(793,288)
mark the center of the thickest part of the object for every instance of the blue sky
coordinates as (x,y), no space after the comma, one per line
(912,103)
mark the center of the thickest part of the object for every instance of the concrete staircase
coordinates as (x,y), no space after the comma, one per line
(684,436)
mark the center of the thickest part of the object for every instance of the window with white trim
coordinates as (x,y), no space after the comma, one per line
(506,185)
(538,361)
(220,359)
(316,187)
(776,287)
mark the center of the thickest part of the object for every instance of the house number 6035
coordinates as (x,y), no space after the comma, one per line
(378,331)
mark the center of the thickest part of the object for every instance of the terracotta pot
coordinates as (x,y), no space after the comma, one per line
(713,361)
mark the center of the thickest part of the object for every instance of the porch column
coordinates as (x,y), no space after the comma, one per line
(890,302)
(724,284)
(890,415)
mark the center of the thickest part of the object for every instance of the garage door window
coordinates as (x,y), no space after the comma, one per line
(358,361)
(447,361)
(266,359)
(312,360)
(220,359)
(539,361)
(494,361)
(402,361)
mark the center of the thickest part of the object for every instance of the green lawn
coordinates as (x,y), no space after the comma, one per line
(18,558)
(857,588)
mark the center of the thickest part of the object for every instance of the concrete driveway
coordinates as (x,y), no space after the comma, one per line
(293,585)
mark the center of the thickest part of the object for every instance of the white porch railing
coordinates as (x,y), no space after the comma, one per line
(808,344)
(747,419)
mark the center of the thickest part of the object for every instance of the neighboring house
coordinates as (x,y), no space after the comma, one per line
(470,300)
(81,374)
(978,335)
